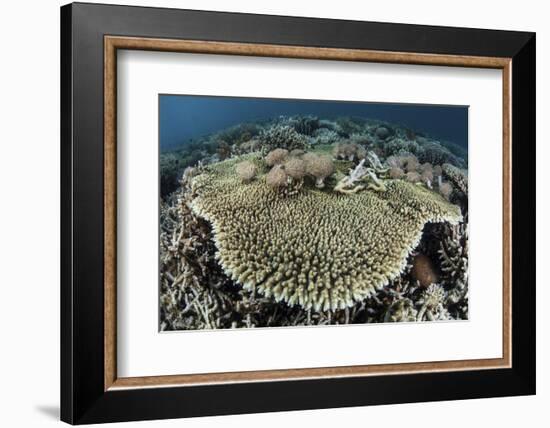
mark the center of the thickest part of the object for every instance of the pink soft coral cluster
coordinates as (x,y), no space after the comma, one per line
(408,167)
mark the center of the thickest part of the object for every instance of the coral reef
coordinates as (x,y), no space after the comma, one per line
(276,157)
(457,176)
(282,137)
(246,171)
(270,250)
(324,136)
(277,177)
(303,220)
(349,151)
(295,168)
(320,167)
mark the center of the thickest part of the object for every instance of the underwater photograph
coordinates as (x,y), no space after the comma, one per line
(290,212)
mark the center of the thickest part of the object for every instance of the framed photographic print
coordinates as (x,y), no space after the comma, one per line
(265,213)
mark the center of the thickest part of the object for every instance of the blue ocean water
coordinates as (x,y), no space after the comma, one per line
(187,117)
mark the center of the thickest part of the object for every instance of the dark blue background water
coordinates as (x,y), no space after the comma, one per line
(185,117)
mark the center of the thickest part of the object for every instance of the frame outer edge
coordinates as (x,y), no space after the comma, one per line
(66,143)
(82,401)
(524,219)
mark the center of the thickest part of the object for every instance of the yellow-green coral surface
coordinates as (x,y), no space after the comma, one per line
(318,249)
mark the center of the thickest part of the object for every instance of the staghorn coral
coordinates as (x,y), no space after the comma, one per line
(316,249)
(283,137)
(246,170)
(276,157)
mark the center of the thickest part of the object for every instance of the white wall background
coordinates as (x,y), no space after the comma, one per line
(29,213)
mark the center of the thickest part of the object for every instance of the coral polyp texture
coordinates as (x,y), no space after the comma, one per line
(315,249)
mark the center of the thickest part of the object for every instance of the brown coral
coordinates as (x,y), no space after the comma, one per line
(276,177)
(423,270)
(396,172)
(276,157)
(320,167)
(411,163)
(349,151)
(246,170)
(446,189)
(295,168)
(413,177)
(427,177)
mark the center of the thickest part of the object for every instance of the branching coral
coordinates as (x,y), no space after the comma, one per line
(436,154)
(432,302)
(401,310)
(324,136)
(317,249)
(453,255)
(457,176)
(306,125)
(190,275)
(284,137)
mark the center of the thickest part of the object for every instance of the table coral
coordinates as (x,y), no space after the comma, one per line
(316,249)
